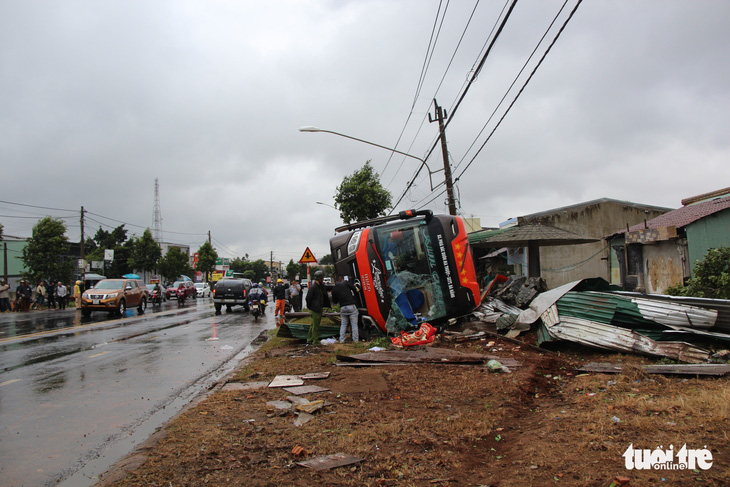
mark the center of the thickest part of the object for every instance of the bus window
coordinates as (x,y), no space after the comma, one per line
(415,285)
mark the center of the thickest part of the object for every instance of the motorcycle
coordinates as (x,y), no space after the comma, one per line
(181,295)
(156,298)
(257,308)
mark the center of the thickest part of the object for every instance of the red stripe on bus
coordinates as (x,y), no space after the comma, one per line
(366,280)
(465,262)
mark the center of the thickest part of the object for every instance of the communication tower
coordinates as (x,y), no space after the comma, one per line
(157,217)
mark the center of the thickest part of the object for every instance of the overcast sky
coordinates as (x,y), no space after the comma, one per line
(98,98)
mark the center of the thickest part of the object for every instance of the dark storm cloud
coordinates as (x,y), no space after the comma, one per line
(99,98)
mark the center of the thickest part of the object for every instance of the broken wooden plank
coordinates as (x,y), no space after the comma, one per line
(286,381)
(370,364)
(303,418)
(305,390)
(315,375)
(311,407)
(280,405)
(244,386)
(675,369)
(428,355)
(328,462)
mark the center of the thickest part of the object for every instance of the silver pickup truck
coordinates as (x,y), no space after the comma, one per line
(231,292)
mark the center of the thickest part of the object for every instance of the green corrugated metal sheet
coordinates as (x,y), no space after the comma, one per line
(589,306)
(709,232)
(605,308)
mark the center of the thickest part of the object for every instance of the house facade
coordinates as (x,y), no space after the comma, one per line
(561,264)
(662,252)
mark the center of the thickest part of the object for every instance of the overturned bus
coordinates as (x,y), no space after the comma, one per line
(410,268)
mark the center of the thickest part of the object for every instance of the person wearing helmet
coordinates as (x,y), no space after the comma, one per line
(317,300)
(256,293)
(280,297)
(77,294)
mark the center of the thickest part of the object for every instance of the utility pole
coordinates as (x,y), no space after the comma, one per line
(440,115)
(271,267)
(83,254)
(209,239)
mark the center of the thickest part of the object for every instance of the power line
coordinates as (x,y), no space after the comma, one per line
(429,51)
(521,89)
(443,77)
(34,206)
(524,66)
(466,90)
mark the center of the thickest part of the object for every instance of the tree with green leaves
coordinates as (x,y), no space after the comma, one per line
(260,269)
(174,264)
(240,265)
(115,240)
(360,196)
(207,257)
(146,253)
(46,254)
(710,279)
(292,269)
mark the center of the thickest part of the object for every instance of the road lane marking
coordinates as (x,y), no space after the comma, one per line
(98,354)
(7,382)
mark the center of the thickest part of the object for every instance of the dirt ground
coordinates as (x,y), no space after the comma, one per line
(541,423)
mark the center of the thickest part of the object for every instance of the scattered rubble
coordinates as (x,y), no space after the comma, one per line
(593,313)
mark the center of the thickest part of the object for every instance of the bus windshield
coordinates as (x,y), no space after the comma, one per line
(417,288)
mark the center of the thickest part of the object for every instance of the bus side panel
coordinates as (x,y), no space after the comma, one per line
(372,285)
(465,262)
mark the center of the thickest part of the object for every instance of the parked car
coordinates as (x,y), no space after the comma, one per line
(115,295)
(190,291)
(150,287)
(203,289)
(230,292)
(304,283)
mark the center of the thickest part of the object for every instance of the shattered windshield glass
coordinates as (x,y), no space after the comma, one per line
(414,282)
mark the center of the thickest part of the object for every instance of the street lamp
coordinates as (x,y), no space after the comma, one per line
(309,128)
(325,204)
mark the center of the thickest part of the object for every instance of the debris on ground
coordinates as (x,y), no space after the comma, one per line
(328,462)
(593,313)
(716,370)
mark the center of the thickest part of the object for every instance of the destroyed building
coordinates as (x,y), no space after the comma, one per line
(661,252)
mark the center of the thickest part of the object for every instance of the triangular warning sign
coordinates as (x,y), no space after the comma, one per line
(308,257)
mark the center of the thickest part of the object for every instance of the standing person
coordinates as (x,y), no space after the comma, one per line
(344,293)
(280,297)
(61,293)
(317,299)
(40,295)
(4,297)
(295,294)
(77,294)
(23,294)
(51,295)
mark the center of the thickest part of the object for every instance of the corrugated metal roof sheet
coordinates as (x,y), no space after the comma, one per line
(722,306)
(676,314)
(588,305)
(609,337)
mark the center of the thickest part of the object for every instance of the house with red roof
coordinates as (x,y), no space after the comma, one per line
(662,252)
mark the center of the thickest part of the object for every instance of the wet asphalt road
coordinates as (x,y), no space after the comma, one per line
(77,394)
